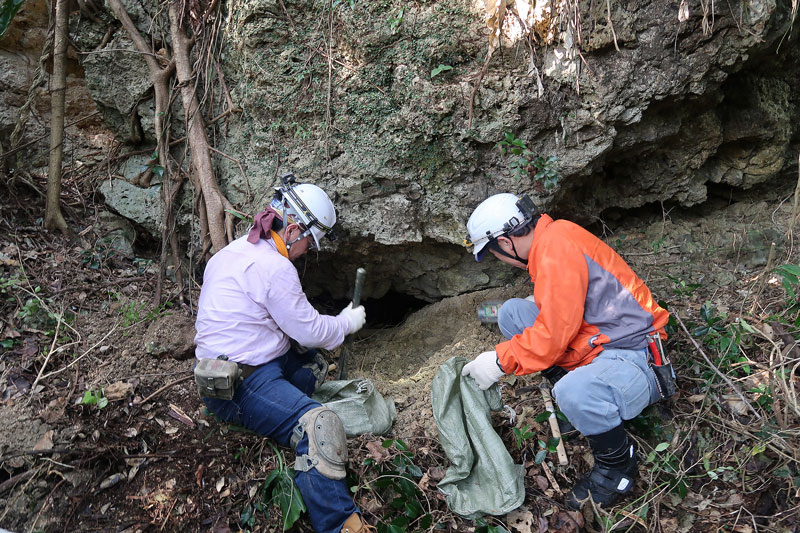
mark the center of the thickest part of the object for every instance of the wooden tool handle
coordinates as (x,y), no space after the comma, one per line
(560,450)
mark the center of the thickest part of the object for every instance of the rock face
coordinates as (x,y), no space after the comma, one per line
(392,107)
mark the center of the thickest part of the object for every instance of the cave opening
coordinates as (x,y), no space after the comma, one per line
(387,311)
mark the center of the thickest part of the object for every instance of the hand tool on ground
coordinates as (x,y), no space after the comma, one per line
(360,275)
(548,404)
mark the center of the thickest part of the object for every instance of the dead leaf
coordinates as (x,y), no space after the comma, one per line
(683,11)
(436,473)
(695,398)
(46,442)
(118,391)
(520,519)
(176,413)
(423,482)
(220,483)
(131,432)
(542,483)
(377,452)
(198,474)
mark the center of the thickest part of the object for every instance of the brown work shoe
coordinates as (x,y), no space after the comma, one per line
(356,524)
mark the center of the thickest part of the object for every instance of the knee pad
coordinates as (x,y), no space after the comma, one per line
(327,443)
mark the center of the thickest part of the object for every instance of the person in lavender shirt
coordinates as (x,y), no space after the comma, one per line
(253,311)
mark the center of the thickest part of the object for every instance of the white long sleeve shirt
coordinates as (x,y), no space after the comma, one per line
(252,303)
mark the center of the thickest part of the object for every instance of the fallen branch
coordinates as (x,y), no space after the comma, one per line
(165,387)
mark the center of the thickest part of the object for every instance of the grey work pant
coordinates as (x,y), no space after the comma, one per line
(617,385)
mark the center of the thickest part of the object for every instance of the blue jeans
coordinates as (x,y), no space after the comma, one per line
(270,402)
(617,385)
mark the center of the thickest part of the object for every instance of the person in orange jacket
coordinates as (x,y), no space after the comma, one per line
(587,329)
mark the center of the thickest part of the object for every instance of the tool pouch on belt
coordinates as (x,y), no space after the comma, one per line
(664,373)
(217,378)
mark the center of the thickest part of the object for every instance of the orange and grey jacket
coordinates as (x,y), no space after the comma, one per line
(588,299)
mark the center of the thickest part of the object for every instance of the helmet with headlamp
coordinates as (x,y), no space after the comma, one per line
(307,205)
(498,215)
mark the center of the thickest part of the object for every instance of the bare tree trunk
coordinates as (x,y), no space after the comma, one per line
(220,224)
(160,74)
(53,218)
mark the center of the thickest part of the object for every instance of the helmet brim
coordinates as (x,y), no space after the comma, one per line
(480,251)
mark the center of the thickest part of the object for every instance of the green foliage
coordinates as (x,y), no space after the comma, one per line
(665,463)
(8,9)
(153,165)
(94,397)
(790,280)
(525,163)
(94,258)
(441,68)
(395,483)
(279,490)
(682,288)
(726,341)
(395,22)
(521,435)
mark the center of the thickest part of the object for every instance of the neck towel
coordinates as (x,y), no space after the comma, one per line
(262,225)
(279,244)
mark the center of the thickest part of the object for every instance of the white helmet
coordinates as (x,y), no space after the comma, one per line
(495,216)
(305,204)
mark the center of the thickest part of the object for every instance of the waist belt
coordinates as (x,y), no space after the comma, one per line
(246,370)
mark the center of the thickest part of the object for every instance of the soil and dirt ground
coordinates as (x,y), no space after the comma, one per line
(144,455)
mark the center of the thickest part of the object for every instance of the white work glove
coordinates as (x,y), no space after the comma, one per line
(356,317)
(485,370)
(530,298)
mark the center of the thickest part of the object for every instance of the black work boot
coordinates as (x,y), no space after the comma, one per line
(614,473)
(553,374)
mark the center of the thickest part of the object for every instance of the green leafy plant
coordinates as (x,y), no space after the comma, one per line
(683,288)
(279,490)
(8,8)
(790,280)
(395,482)
(153,165)
(94,397)
(521,435)
(438,70)
(666,463)
(525,163)
(395,22)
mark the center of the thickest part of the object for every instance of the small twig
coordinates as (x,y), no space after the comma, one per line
(84,354)
(49,353)
(164,523)
(763,278)
(611,24)
(714,368)
(165,387)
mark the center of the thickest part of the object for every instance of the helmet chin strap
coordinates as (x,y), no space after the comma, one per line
(496,247)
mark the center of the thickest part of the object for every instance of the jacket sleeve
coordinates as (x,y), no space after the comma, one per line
(562,278)
(289,307)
